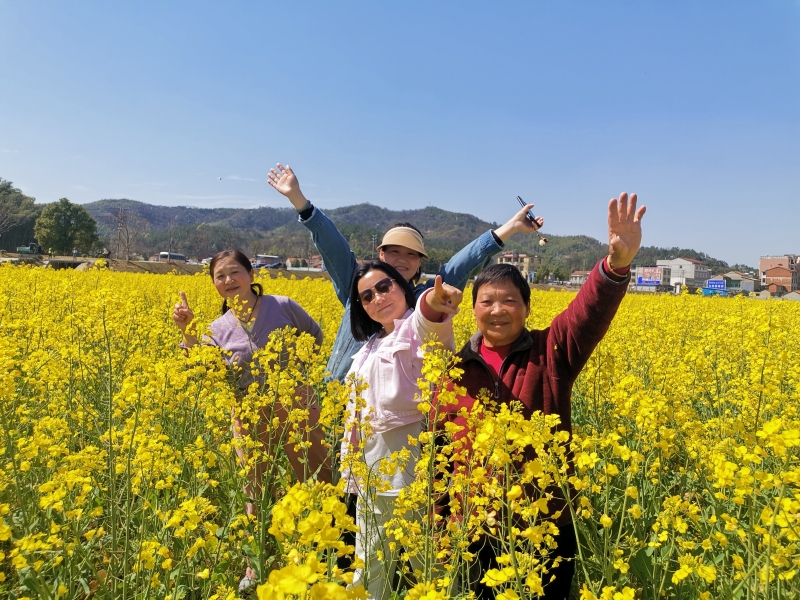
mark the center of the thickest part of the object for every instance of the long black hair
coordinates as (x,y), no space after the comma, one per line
(241,258)
(361,325)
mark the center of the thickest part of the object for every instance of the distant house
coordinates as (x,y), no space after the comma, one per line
(526,263)
(578,277)
(795,295)
(316,262)
(651,279)
(781,277)
(765,263)
(777,290)
(686,272)
(750,284)
(737,282)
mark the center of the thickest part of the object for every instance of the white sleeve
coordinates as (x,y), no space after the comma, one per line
(423,327)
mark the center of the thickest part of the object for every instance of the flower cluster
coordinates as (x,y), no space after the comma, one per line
(121,474)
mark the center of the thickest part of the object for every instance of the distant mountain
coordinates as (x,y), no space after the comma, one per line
(201,231)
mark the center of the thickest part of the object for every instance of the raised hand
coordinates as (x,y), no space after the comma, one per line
(624,230)
(182,314)
(285,181)
(519,223)
(444,298)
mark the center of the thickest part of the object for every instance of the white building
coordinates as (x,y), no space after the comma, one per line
(579,277)
(686,271)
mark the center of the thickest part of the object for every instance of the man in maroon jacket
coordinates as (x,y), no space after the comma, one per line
(539,367)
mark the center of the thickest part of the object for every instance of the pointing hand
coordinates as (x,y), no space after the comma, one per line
(444,298)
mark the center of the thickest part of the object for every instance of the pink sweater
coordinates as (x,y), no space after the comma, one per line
(393,369)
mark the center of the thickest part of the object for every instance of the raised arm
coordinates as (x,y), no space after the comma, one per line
(336,253)
(575,333)
(477,253)
(435,311)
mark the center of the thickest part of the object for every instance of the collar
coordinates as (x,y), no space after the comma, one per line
(471,350)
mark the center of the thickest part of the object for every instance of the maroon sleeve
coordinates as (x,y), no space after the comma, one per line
(575,333)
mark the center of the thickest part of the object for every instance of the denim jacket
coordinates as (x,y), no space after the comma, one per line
(341,265)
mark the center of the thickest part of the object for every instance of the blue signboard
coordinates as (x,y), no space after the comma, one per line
(715,284)
(643,281)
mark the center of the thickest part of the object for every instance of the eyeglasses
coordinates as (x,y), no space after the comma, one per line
(383,287)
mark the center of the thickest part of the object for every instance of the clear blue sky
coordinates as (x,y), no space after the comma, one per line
(462,105)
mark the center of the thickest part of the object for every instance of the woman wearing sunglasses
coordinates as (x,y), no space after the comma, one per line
(402,247)
(382,315)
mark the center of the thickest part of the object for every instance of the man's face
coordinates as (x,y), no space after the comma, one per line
(500,313)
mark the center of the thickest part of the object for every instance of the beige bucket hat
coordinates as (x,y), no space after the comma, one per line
(404,236)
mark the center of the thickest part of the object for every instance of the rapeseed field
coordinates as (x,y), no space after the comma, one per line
(120,476)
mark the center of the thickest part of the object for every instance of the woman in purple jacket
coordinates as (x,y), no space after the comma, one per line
(243,331)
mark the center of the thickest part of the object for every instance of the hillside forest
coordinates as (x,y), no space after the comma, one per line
(130,229)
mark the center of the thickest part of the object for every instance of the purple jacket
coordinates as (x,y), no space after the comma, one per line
(274,313)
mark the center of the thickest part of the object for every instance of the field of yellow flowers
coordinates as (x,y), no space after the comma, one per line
(121,478)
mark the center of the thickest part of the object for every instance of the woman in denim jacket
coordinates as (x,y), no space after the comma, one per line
(402,248)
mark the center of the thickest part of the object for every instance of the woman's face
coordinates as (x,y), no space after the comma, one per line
(231,278)
(384,307)
(405,260)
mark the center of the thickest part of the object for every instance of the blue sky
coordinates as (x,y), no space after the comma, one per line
(462,105)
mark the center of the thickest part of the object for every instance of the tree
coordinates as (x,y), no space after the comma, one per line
(172,236)
(64,225)
(15,206)
(130,227)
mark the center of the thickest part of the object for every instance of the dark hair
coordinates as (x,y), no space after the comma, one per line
(241,258)
(409,225)
(361,325)
(502,273)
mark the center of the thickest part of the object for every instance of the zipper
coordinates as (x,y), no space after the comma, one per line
(499,373)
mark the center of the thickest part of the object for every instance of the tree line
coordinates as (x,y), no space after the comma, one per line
(133,230)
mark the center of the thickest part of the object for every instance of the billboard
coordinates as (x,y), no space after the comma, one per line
(715,284)
(649,276)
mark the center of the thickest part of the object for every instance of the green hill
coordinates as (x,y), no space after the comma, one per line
(266,230)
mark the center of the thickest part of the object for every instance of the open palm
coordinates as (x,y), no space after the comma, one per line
(624,229)
(284,180)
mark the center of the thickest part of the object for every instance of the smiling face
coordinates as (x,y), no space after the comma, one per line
(500,312)
(384,308)
(405,260)
(231,278)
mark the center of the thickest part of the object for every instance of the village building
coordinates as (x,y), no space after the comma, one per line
(686,272)
(525,263)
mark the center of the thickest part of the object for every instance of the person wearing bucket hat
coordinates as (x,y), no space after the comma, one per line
(402,247)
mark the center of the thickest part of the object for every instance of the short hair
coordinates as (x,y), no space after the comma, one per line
(362,326)
(502,273)
(241,258)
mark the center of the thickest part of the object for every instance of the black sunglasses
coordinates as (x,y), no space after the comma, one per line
(384,286)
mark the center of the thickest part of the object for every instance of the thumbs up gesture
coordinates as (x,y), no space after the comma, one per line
(182,315)
(444,298)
